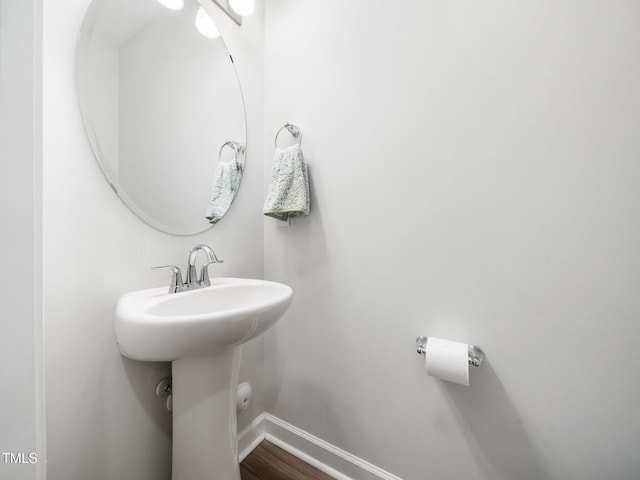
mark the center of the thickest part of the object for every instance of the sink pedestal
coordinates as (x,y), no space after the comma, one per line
(204,416)
(201,332)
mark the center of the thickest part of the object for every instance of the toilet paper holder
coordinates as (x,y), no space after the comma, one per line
(476,355)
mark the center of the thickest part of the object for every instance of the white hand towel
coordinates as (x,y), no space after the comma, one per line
(226,182)
(288,194)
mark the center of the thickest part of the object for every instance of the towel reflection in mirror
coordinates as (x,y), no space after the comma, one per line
(226,182)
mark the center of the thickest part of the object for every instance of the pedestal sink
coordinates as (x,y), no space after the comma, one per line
(200,332)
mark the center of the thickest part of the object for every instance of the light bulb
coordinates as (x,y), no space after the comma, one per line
(243,7)
(172,4)
(205,25)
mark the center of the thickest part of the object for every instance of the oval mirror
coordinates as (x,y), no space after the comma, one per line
(160,97)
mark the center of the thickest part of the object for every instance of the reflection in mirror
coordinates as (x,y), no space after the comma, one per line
(226,182)
(158,99)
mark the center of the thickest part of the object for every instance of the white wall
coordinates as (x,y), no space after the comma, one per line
(21,408)
(103,419)
(474,170)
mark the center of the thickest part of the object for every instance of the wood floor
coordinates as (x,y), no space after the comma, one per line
(268,462)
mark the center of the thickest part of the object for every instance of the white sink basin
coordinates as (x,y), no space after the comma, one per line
(154,325)
(201,333)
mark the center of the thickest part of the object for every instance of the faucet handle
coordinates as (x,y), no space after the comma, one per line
(177,285)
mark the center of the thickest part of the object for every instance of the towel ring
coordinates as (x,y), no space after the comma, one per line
(237,147)
(293,130)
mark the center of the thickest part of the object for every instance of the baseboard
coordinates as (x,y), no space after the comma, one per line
(251,437)
(322,455)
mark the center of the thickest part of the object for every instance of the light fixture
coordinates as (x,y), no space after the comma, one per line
(172,4)
(243,7)
(205,25)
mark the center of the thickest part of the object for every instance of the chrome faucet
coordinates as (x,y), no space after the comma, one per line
(192,281)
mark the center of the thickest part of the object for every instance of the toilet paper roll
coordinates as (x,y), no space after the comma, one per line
(448,360)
